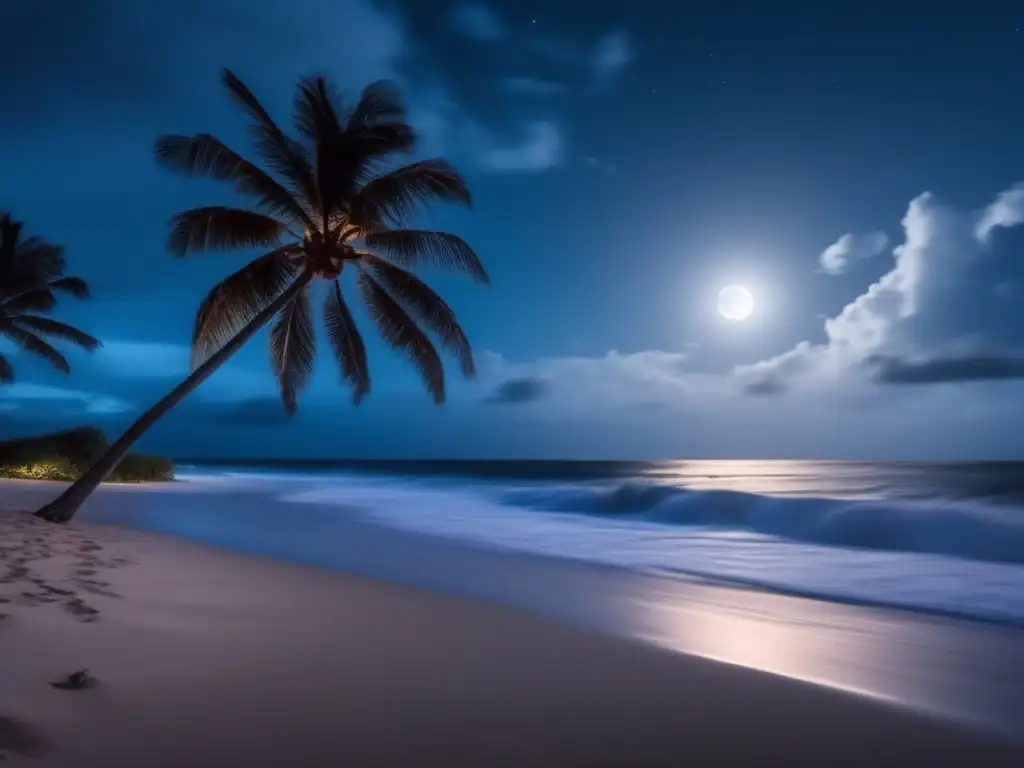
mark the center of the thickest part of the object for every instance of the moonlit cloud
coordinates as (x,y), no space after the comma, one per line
(944,370)
(1006,211)
(19,394)
(613,53)
(125,54)
(870,342)
(939,246)
(479,22)
(539,150)
(835,259)
(581,383)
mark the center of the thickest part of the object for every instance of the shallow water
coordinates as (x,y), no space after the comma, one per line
(942,538)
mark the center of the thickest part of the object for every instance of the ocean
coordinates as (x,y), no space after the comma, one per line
(937,538)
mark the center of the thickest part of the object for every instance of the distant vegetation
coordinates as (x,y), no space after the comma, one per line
(67,455)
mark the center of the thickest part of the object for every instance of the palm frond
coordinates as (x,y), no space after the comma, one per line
(33,300)
(359,155)
(6,371)
(380,102)
(429,309)
(317,119)
(34,345)
(293,350)
(43,260)
(283,154)
(377,128)
(317,110)
(389,199)
(217,228)
(75,286)
(400,332)
(378,141)
(236,300)
(10,233)
(207,157)
(58,330)
(347,343)
(412,248)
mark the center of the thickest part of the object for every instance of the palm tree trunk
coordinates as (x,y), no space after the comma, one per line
(64,507)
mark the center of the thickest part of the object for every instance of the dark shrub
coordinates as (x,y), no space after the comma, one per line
(66,455)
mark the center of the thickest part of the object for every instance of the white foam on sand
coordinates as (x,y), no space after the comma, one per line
(921,581)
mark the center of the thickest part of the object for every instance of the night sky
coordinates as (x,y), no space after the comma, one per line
(856,171)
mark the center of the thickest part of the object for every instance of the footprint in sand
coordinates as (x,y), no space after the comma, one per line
(82,611)
(97,588)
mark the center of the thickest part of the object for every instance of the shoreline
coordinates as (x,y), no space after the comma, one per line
(204,656)
(964,672)
(44,489)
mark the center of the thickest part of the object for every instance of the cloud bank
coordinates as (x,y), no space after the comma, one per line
(871,345)
(940,245)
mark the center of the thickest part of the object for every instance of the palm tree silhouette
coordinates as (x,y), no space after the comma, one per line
(330,200)
(31,270)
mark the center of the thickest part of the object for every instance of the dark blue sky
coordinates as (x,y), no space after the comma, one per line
(855,171)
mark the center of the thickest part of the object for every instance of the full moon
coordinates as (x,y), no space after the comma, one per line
(735,303)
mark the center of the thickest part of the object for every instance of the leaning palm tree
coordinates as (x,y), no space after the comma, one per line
(31,270)
(331,202)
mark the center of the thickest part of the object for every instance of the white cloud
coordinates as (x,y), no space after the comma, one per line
(593,383)
(89,402)
(531,86)
(613,52)
(939,246)
(836,258)
(1006,211)
(539,150)
(939,243)
(479,22)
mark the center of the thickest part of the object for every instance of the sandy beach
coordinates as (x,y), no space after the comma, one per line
(208,658)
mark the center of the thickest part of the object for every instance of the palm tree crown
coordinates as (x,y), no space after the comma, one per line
(331,198)
(31,270)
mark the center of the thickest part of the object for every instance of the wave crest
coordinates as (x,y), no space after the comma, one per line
(958,529)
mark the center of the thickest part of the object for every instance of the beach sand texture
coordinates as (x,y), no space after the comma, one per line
(207,658)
